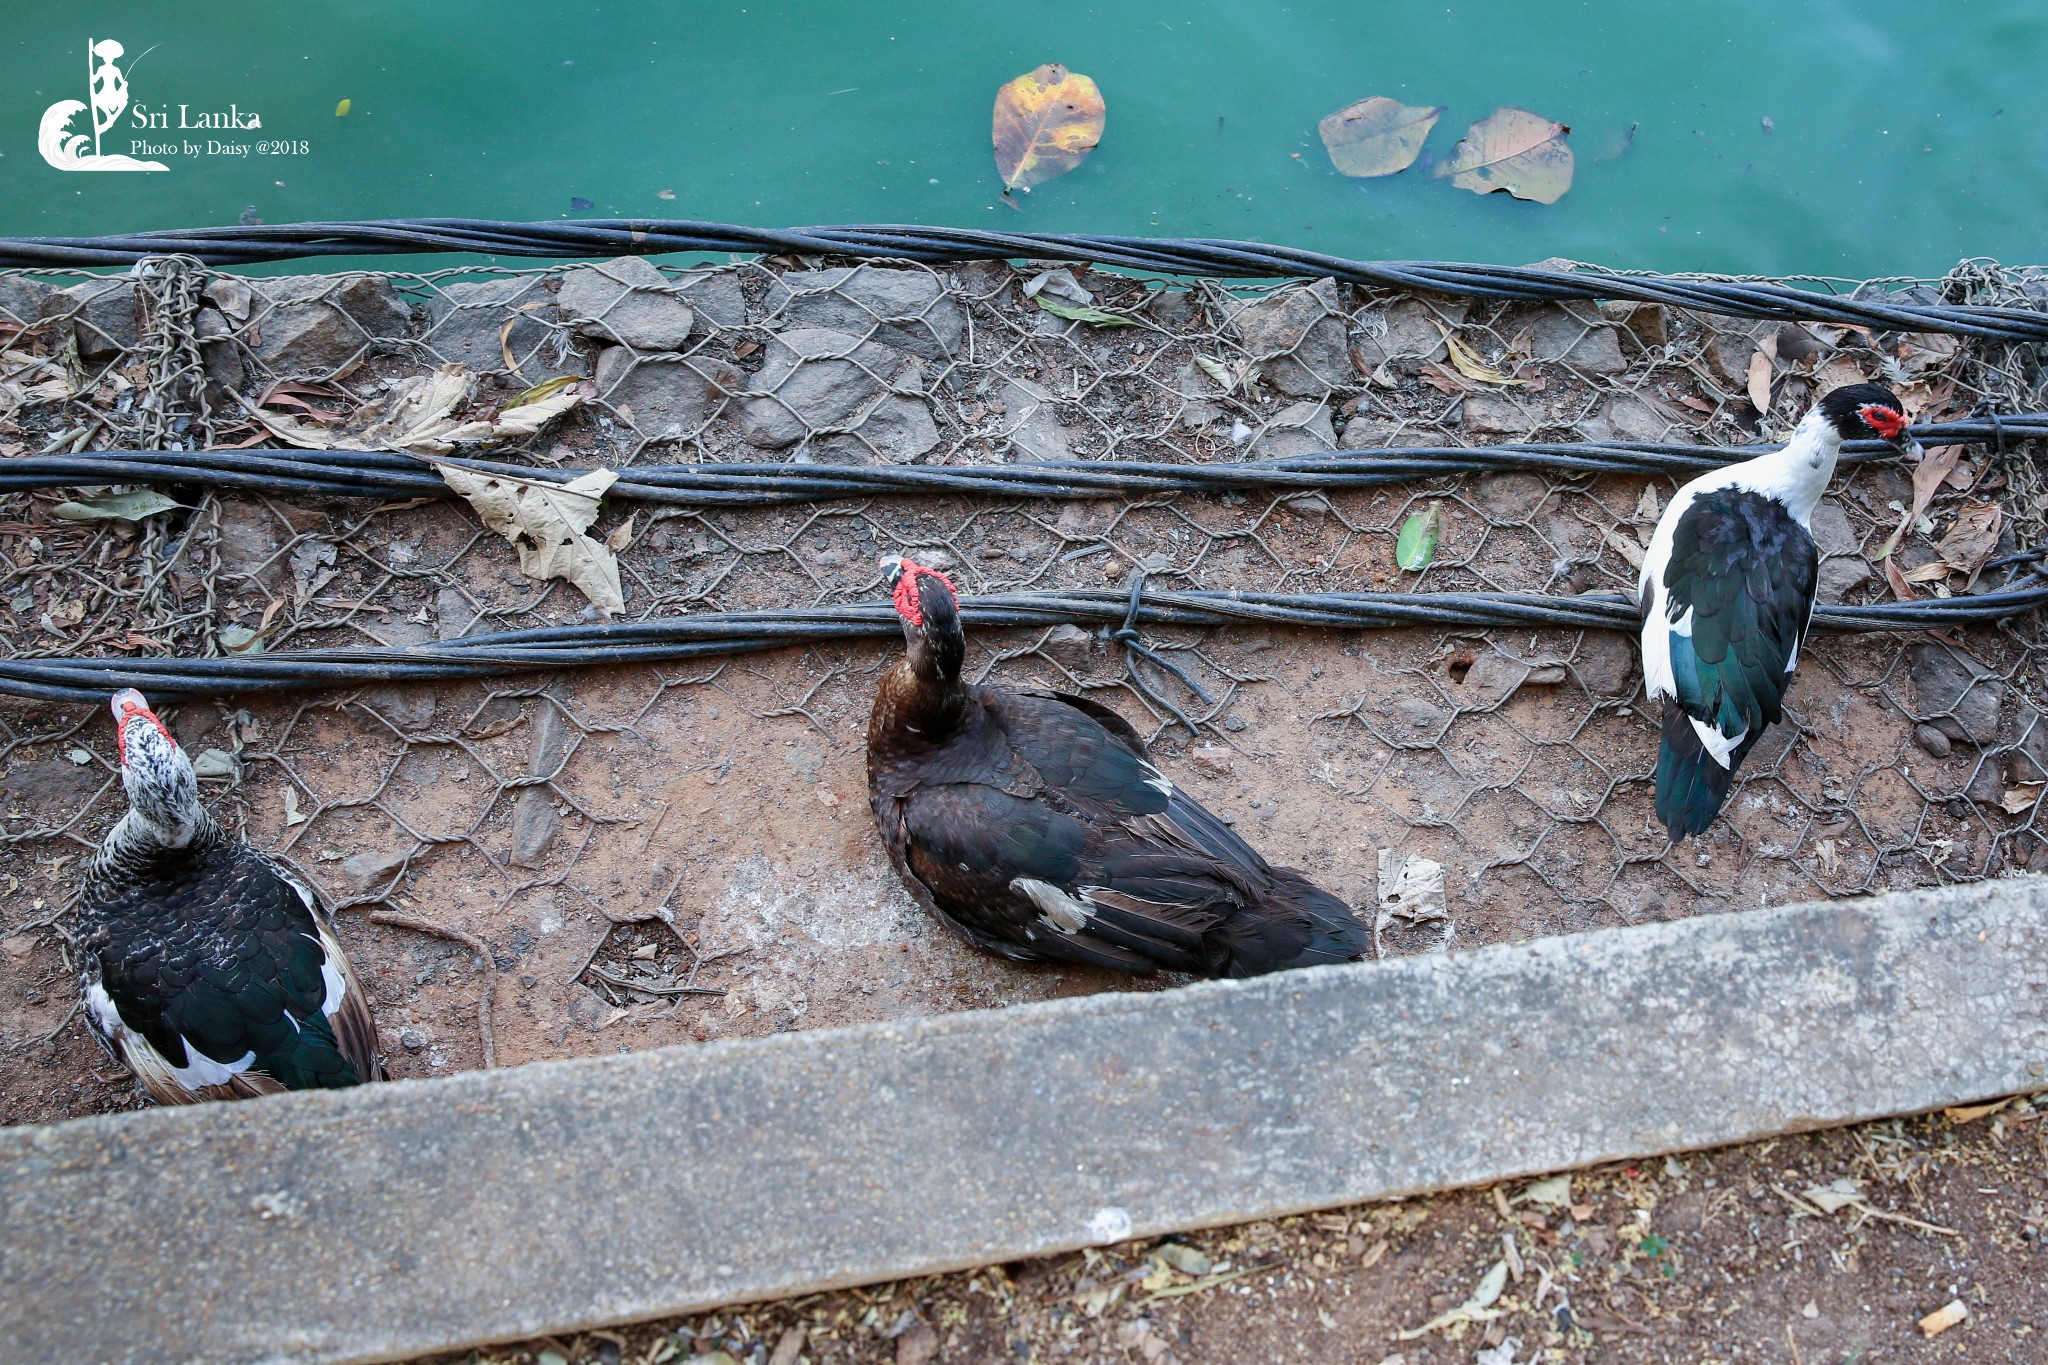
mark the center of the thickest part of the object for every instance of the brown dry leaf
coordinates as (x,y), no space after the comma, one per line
(1972,538)
(1934,466)
(1931,572)
(1970,1113)
(1377,136)
(1513,150)
(1900,589)
(1046,123)
(2021,797)
(622,534)
(546,521)
(1760,381)
(1439,378)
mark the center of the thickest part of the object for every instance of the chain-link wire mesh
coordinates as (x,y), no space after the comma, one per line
(595,851)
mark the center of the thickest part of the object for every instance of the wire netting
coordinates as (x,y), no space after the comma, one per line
(607,844)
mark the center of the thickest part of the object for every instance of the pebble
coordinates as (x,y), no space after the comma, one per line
(1932,740)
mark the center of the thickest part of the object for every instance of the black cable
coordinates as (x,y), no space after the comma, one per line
(671,639)
(240,245)
(395,474)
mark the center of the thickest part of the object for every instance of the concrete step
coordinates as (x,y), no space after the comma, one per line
(403,1218)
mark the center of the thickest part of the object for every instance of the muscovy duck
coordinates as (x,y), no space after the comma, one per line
(1035,826)
(1726,593)
(210,969)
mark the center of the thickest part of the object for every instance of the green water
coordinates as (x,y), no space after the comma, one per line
(1907,134)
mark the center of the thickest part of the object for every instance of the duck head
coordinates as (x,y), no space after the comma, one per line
(163,791)
(930,611)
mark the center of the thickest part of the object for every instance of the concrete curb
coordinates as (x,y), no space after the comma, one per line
(410,1217)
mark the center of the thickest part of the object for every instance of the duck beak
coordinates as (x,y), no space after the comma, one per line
(892,570)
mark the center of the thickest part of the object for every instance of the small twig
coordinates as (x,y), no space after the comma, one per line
(484,960)
(651,988)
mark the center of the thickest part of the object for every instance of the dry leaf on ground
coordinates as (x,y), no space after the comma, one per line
(1046,123)
(546,521)
(1377,136)
(417,416)
(1478,1308)
(1972,538)
(1934,466)
(1513,150)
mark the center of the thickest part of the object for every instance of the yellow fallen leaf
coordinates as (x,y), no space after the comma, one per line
(1970,1113)
(1513,150)
(1046,123)
(1478,1308)
(1469,364)
(1932,572)
(1377,136)
(1934,466)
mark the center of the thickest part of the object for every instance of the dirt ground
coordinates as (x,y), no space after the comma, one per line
(1741,1254)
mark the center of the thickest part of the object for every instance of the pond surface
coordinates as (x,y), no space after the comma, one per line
(1866,138)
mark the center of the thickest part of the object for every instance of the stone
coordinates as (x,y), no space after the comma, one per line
(907,309)
(1030,423)
(1955,694)
(218,354)
(252,541)
(1213,760)
(1510,497)
(2029,759)
(21,299)
(839,399)
(309,326)
(626,302)
(50,786)
(1606,663)
(100,314)
(1832,533)
(1574,335)
(663,398)
(1933,741)
(1729,353)
(715,296)
(1419,718)
(1630,1048)
(1298,429)
(1625,417)
(1406,329)
(1067,642)
(1172,308)
(466,326)
(453,614)
(1839,576)
(407,708)
(1297,338)
(371,871)
(1648,323)
(1486,412)
(1376,433)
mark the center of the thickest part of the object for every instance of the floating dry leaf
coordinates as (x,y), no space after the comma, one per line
(1514,150)
(1046,123)
(1377,136)
(546,521)
(1972,538)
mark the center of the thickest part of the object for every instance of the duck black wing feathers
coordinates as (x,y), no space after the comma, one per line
(224,952)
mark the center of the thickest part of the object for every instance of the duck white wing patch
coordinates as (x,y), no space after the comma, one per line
(1157,780)
(330,972)
(201,1070)
(1057,910)
(1718,745)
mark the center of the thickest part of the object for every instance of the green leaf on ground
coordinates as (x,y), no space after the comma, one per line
(1417,545)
